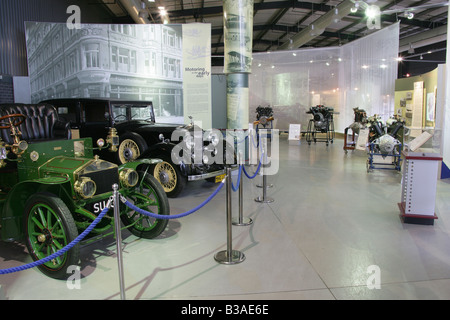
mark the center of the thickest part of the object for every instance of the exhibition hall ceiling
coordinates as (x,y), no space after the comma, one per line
(283,25)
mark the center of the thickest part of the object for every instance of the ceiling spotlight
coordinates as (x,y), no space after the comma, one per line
(314,32)
(336,17)
(409,15)
(372,12)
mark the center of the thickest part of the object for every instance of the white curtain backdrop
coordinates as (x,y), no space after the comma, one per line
(359,74)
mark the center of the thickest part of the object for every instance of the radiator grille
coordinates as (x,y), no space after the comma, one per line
(104,179)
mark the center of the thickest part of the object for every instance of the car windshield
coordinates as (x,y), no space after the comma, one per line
(127,112)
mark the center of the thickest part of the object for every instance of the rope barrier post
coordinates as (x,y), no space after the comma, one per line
(241,221)
(229,256)
(264,199)
(118,239)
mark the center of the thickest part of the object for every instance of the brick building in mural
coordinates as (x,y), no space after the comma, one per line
(127,62)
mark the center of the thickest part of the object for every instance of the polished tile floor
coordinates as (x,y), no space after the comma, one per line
(330,224)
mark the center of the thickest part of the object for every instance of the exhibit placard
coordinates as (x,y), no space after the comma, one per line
(363,139)
(197,73)
(294,132)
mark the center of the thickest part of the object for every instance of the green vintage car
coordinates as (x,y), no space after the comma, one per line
(52,187)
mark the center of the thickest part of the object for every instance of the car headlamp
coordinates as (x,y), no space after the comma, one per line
(85,187)
(205,159)
(129,177)
(214,139)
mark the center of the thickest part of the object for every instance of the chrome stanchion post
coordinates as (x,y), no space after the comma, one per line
(229,256)
(264,199)
(262,167)
(241,221)
(118,239)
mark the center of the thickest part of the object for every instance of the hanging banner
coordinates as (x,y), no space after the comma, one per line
(238,35)
(237,101)
(197,74)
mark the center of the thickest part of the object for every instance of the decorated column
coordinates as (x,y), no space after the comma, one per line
(238,35)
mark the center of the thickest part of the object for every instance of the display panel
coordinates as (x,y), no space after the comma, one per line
(165,64)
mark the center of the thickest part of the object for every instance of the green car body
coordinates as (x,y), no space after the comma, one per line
(53,190)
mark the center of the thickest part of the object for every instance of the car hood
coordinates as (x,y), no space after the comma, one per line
(139,125)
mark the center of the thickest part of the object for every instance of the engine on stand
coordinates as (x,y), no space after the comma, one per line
(264,116)
(360,122)
(264,119)
(322,122)
(385,142)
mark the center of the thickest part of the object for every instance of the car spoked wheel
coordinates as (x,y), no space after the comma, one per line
(49,227)
(166,175)
(128,151)
(170,177)
(149,196)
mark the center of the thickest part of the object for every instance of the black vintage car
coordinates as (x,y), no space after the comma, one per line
(141,137)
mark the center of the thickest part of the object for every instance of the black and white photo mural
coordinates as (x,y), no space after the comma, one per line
(142,62)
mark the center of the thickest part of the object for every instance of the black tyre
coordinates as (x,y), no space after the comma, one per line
(49,227)
(169,176)
(149,196)
(131,147)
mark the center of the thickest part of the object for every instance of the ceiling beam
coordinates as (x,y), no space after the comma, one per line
(295,4)
(307,34)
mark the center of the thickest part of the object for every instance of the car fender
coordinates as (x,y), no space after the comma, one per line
(13,207)
(138,163)
(163,149)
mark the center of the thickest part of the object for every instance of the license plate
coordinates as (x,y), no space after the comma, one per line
(220,178)
(98,206)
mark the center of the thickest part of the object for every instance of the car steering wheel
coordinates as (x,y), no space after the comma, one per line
(5,125)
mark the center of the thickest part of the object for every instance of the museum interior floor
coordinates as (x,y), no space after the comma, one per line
(329,223)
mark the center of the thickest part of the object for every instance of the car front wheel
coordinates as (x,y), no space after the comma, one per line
(170,177)
(149,196)
(49,227)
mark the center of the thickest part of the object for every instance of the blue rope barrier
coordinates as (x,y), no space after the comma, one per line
(239,180)
(175,216)
(95,222)
(257,169)
(59,252)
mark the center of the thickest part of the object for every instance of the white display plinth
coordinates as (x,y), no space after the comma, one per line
(420,171)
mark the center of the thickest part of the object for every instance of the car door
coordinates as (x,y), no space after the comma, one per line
(68,111)
(93,122)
